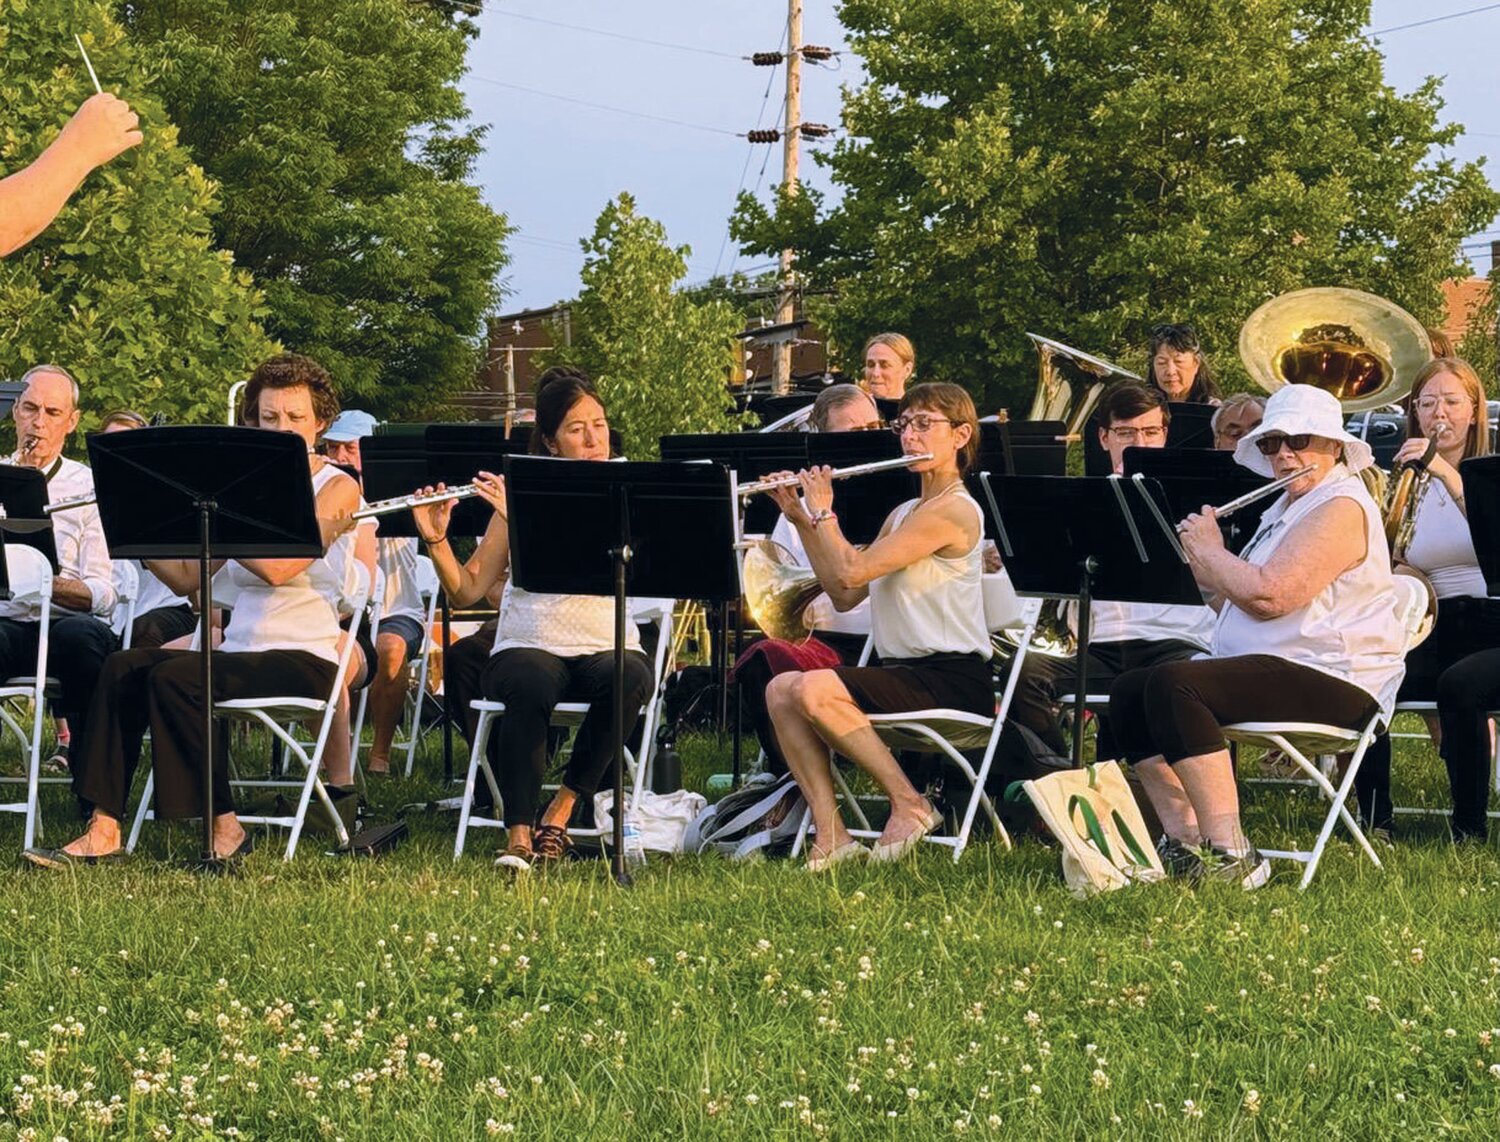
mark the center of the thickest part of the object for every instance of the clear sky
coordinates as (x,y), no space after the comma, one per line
(560,145)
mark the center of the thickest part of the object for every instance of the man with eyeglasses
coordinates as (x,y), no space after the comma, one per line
(1238,415)
(83,590)
(1122,636)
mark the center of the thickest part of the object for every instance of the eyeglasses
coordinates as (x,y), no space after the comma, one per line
(922,422)
(1128,435)
(1452,404)
(1271,444)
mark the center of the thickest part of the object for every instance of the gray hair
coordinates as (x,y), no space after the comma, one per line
(1234,404)
(37,370)
(835,397)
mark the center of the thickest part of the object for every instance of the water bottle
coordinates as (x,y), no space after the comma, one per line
(666,766)
(635,845)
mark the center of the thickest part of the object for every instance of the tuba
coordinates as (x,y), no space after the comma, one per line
(1361,348)
(1070,399)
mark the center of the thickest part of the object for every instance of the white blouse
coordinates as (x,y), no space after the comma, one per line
(568,626)
(298,615)
(1442,547)
(1350,630)
(932,606)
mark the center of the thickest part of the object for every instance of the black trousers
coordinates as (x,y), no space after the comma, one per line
(530,683)
(161,625)
(163,689)
(1043,678)
(76,649)
(1464,626)
(463,666)
(1467,691)
(1177,709)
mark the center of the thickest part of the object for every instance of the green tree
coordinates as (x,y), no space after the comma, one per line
(1084,170)
(660,358)
(126,288)
(341,140)
(1481,341)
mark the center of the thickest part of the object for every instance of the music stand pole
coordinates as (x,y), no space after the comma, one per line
(620,556)
(206,509)
(1086,570)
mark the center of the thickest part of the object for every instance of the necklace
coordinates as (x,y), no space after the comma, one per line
(958,483)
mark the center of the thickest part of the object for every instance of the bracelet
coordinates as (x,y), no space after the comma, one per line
(819,516)
(433,542)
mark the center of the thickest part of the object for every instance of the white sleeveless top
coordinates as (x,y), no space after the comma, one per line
(1442,547)
(298,615)
(1350,630)
(933,606)
(403,595)
(568,626)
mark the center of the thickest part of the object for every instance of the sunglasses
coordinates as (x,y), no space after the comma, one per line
(1271,444)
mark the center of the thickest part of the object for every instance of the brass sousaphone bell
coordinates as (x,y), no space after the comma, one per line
(1361,348)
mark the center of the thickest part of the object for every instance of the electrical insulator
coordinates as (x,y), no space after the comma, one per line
(766,59)
(764,136)
(815,130)
(816,53)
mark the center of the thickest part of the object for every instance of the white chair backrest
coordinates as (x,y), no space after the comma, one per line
(427,580)
(1003,608)
(1411,602)
(29,572)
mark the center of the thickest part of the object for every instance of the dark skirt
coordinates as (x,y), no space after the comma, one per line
(938,681)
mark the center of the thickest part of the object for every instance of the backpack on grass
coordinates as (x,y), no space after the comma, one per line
(761,818)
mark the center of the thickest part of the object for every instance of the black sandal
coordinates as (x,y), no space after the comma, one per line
(61,858)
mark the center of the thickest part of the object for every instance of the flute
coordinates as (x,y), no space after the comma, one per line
(415,500)
(759,486)
(81,500)
(1260,493)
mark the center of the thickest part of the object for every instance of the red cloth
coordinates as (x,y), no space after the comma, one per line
(783,657)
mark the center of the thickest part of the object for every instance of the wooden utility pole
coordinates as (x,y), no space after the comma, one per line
(781,361)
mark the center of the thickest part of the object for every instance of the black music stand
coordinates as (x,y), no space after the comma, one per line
(205,493)
(648,529)
(1083,538)
(23,494)
(1481,478)
(1192,477)
(1191,425)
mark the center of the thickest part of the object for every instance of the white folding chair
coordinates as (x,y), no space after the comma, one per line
(374,609)
(569,716)
(1302,742)
(30,579)
(427,586)
(1430,708)
(949,732)
(127,592)
(275,714)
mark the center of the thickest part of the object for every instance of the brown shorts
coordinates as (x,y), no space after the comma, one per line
(939,681)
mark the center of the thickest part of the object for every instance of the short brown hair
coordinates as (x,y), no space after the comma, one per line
(1478,441)
(1126,400)
(290,371)
(126,416)
(952,401)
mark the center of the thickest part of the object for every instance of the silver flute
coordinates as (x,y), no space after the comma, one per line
(416,500)
(79,501)
(1260,493)
(758,486)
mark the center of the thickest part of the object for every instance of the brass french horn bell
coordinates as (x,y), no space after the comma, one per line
(778,591)
(1361,348)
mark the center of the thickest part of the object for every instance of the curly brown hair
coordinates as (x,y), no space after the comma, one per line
(290,371)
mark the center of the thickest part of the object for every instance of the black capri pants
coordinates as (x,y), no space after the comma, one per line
(1177,709)
(531,682)
(938,681)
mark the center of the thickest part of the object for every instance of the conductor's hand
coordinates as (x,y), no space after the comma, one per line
(432,519)
(99,130)
(1200,534)
(788,498)
(491,490)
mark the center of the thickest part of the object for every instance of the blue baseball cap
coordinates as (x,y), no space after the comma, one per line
(349,425)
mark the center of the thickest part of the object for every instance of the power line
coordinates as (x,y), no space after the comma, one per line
(1436,19)
(605,107)
(749,154)
(612,35)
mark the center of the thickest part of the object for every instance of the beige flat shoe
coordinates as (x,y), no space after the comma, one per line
(848,851)
(895,850)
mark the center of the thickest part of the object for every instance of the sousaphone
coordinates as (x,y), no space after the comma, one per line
(1363,349)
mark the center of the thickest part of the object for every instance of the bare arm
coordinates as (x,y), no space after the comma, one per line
(31,198)
(338,499)
(180,575)
(464,583)
(1320,548)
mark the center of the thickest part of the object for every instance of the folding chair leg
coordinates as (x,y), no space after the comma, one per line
(478,762)
(141,812)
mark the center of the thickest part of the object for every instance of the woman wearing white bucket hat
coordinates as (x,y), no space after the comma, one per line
(1306,632)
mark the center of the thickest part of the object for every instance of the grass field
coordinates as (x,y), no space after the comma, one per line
(407,997)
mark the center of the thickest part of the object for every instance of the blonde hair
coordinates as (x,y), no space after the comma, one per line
(1478,440)
(898,343)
